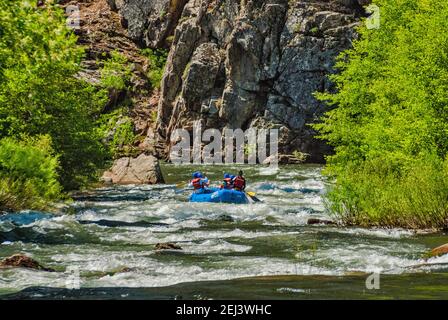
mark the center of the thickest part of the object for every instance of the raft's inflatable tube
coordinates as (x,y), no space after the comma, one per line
(219,195)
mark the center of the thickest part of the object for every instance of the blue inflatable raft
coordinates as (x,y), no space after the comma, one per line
(219,195)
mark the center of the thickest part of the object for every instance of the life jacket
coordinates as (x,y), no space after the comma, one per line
(196,183)
(199,183)
(239,183)
(228,183)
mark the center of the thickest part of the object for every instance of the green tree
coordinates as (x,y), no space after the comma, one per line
(41,92)
(389,122)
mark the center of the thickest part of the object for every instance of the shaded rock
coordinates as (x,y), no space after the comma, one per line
(167,246)
(114,223)
(201,74)
(312,221)
(115,271)
(226,218)
(121,270)
(443,249)
(125,269)
(186,37)
(149,21)
(22,261)
(144,169)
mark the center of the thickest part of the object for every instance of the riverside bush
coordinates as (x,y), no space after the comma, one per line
(28,173)
(389,120)
(116,72)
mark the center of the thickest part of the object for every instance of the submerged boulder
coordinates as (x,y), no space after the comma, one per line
(23,261)
(225,218)
(117,271)
(144,169)
(167,246)
(320,221)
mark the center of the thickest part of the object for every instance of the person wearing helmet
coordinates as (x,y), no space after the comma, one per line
(227,182)
(199,182)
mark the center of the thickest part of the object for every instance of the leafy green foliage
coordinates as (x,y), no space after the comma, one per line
(157,60)
(41,92)
(300,156)
(116,72)
(389,126)
(118,132)
(154,115)
(28,173)
(124,134)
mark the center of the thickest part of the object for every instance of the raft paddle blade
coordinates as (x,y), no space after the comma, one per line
(251,194)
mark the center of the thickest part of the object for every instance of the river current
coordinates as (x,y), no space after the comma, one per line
(260,250)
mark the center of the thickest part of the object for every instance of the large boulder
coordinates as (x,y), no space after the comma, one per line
(22,261)
(144,169)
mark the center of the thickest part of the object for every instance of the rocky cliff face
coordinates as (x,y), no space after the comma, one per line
(240,64)
(101,32)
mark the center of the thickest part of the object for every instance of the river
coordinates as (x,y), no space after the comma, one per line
(260,250)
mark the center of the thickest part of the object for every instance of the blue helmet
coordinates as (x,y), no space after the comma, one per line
(196,174)
(200,175)
(226,175)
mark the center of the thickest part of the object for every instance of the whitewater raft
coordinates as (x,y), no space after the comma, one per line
(220,196)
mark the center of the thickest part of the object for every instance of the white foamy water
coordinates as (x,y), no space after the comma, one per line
(116,228)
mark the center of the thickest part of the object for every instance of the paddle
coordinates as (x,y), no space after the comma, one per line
(251,194)
(182,187)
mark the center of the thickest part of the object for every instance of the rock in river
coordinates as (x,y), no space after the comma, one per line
(320,221)
(22,261)
(144,169)
(443,249)
(167,246)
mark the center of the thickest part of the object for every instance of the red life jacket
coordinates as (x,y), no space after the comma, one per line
(196,183)
(239,183)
